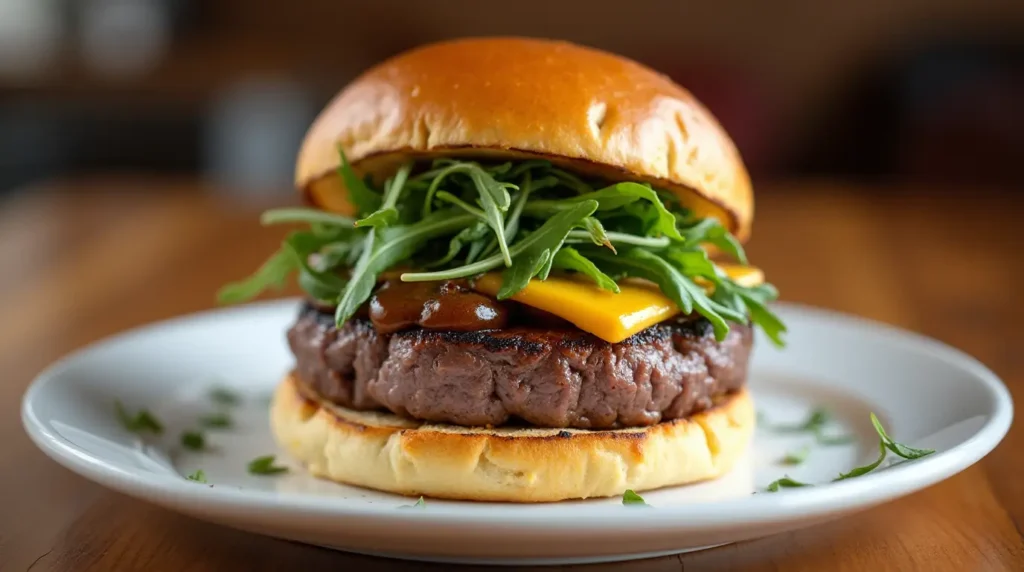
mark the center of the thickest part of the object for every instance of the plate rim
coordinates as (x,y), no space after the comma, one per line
(854,494)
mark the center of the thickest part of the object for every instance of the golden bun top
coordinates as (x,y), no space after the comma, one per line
(506,98)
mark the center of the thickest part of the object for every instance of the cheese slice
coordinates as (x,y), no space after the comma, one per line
(609,316)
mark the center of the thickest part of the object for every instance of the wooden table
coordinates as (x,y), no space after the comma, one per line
(82,260)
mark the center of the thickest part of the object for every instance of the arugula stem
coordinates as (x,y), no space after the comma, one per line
(582,236)
(286,215)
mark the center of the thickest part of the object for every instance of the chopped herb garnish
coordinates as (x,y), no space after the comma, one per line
(796,457)
(451,219)
(901,450)
(860,471)
(630,497)
(815,423)
(225,397)
(418,504)
(198,476)
(827,440)
(885,444)
(141,422)
(216,421)
(193,440)
(265,466)
(785,483)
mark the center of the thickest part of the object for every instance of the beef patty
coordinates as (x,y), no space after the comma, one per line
(543,377)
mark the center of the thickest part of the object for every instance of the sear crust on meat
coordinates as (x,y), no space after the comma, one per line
(539,376)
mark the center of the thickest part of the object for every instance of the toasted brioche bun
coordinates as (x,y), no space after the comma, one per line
(389,453)
(517,98)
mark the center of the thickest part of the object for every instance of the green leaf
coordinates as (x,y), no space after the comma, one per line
(772,326)
(584,237)
(571,181)
(421,503)
(365,199)
(785,483)
(619,195)
(816,419)
(450,198)
(494,198)
(320,285)
(829,440)
(384,216)
(539,246)
(897,448)
(468,235)
(387,214)
(271,274)
(265,466)
(796,457)
(860,471)
(711,231)
(397,243)
(551,233)
(193,440)
(673,283)
(597,233)
(141,422)
(225,396)
(216,421)
(306,215)
(198,476)
(568,258)
(631,498)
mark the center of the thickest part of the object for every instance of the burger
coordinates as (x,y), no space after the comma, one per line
(523,280)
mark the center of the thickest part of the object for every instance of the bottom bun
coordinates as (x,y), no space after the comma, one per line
(388,453)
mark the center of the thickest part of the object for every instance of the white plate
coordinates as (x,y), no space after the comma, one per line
(926,394)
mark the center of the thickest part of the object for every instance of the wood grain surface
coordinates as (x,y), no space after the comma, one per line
(85,259)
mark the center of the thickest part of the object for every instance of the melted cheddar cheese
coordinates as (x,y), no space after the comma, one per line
(609,316)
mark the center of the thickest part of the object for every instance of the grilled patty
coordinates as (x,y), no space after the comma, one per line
(539,376)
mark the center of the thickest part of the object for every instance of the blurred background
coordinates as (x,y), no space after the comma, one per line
(911,91)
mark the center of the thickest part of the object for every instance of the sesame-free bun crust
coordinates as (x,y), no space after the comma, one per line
(513,98)
(388,453)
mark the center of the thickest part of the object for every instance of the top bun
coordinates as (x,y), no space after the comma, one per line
(507,98)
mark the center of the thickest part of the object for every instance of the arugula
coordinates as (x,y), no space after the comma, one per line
(796,457)
(679,287)
(568,258)
(271,274)
(216,421)
(886,444)
(785,483)
(897,448)
(421,503)
(815,423)
(193,440)
(538,248)
(396,244)
(387,214)
(224,396)
(450,219)
(365,199)
(142,422)
(265,466)
(631,498)
(198,476)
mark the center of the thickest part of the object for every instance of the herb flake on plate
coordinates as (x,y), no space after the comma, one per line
(198,476)
(193,440)
(885,444)
(216,421)
(141,422)
(631,498)
(265,466)
(225,397)
(421,503)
